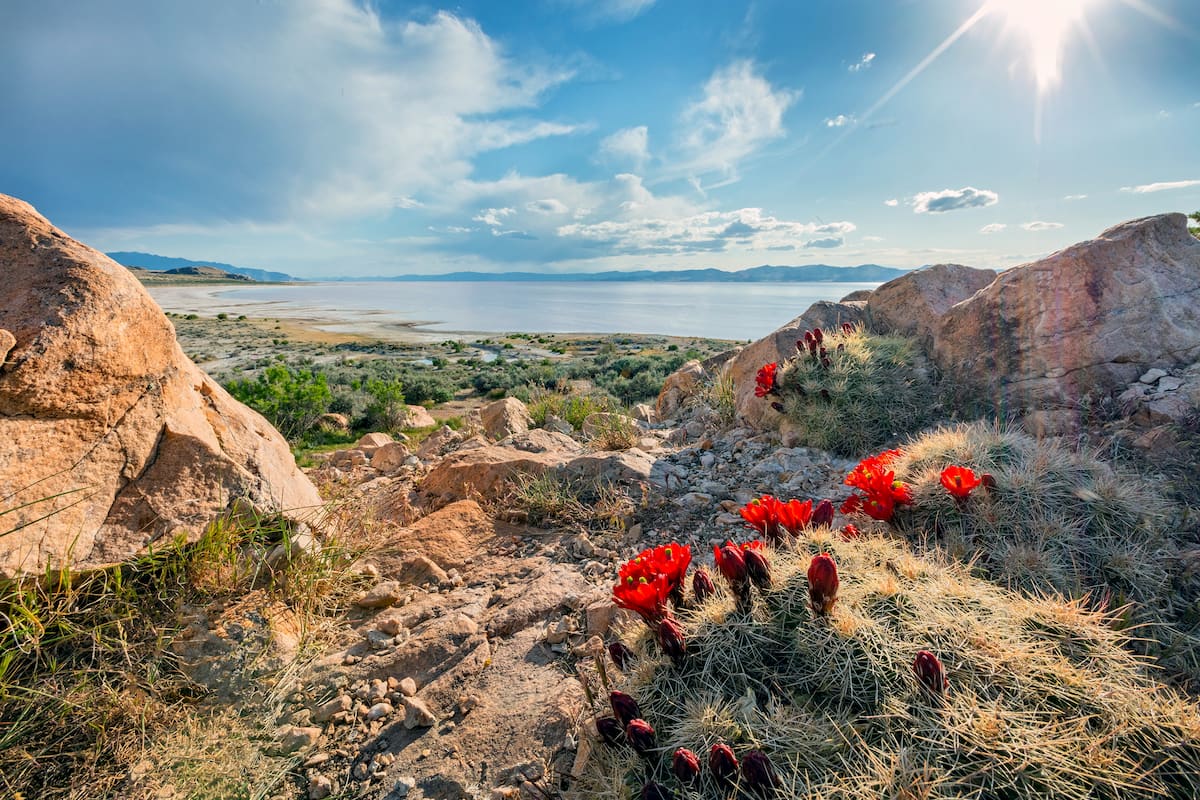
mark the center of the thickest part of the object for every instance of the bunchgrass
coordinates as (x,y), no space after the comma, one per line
(874,389)
(1045,699)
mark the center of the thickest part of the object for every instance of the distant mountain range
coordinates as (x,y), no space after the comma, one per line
(811,273)
(163,263)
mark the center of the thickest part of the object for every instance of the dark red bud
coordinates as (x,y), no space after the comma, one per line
(758,568)
(812,346)
(988,480)
(758,774)
(825,362)
(841,348)
(809,338)
(800,345)
(670,636)
(930,672)
(656,791)
(686,766)
(732,564)
(620,654)
(722,763)
(849,531)
(819,335)
(822,584)
(702,585)
(823,352)
(847,328)
(822,514)
(778,407)
(610,731)
(624,707)
(640,736)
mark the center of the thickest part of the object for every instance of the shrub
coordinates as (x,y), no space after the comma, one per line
(866,391)
(386,410)
(293,400)
(573,408)
(611,431)
(1044,699)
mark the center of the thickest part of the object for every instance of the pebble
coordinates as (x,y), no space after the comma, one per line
(408,687)
(327,710)
(379,711)
(417,714)
(319,787)
(404,785)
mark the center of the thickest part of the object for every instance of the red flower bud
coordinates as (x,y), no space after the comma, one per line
(702,585)
(849,531)
(988,480)
(722,763)
(670,637)
(777,406)
(800,345)
(757,567)
(819,335)
(822,584)
(640,736)
(822,514)
(656,791)
(624,707)
(620,654)
(610,731)
(847,328)
(686,766)
(758,774)
(930,673)
(731,563)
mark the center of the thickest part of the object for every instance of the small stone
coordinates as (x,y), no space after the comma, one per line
(382,595)
(408,687)
(316,760)
(319,787)
(378,639)
(1152,375)
(379,711)
(291,738)
(417,714)
(404,785)
(361,771)
(1169,383)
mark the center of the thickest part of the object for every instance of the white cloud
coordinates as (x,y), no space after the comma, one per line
(839,121)
(832,241)
(548,205)
(891,203)
(953,200)
(1038,225)
(1075,197)
(995,227)
(494,216)
(1165,186)
(740,112)
(598,11)
(627,144)
(863,63)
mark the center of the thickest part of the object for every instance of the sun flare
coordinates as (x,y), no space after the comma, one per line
(1045,24)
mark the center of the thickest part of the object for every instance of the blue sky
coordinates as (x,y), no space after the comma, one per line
(333,137)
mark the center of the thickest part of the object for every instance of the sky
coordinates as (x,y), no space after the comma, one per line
(339,137)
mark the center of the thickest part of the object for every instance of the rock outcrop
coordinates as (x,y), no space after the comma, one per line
(1083,322)
(912,304)
(110,437)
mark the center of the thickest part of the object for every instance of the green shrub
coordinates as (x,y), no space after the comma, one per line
(873,389)
(293,400)
(386,410)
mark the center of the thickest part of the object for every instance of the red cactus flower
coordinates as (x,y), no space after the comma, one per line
(795,516)
(610,731)
(765,380)
(672,560)
(758,774)
(670,637)
(822,515)
(880,507)
(849,531)
(702,585)
(646,597)
(852,505)
(686,766)
(620,654)
(902,493)
(822,584)
(959,481)
(757,566)
(722,763)
(624,707)
(731,563)
(930,673)
(763,514)
(640,735)
(656,791)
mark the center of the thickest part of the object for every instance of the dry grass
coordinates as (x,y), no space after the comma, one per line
(611,431)
(1045,699)
(875,389)
(549,499)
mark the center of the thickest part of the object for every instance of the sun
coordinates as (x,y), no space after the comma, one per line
(1045,24)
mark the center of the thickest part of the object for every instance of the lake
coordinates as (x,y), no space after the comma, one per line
(444,309)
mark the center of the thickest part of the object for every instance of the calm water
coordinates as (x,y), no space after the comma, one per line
(715,310)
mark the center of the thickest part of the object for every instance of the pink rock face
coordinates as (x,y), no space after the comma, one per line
(912,304)
(1086,320)
(110,437)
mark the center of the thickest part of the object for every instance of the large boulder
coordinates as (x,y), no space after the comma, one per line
(110,438)
(504,418)
(776,347)
(911,304)
(1085,321)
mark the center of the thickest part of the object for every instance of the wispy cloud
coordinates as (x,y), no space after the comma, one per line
(953,199)
(630,145)
(841,120)
(1039,225)
(1075,197)
(995,227)
(891,203)
(1165,186)
(601,11)
(863,63)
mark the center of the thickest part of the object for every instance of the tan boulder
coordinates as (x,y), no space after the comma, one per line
(369,442)
(680,385)
(418,417)
(452,537)
(389,457)
(110,438)
(484,471)
(911,304)
(776,347)
(1087,320)
(505,418)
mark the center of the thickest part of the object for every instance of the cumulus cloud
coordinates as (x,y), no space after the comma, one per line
(841,120)
(1166,186)
(863,63)
(1039,225)
(627,145)
(740,112)
(832,241)
(953,200)
(891,203)
(313,108)
(494,216)
(547,205)
(1072,197)
(995,227)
